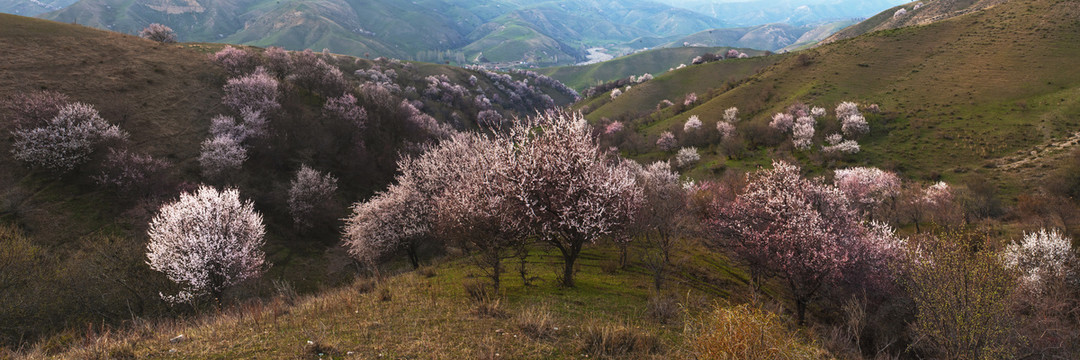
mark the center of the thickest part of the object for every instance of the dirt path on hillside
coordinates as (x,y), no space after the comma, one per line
(1034,163)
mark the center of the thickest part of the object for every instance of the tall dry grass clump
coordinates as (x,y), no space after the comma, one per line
(745,332)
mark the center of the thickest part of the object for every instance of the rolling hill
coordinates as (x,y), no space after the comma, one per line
(773,37)
(88,236)
(504,31)
(755,12)
(959,95)
(653,62)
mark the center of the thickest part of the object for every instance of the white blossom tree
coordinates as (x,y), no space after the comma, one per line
(687,157)
(1040,256)
(731,115)
(662,217)
(158,32)
(692,124)
(802,134)
(726,129)
(220,154)
(206,242)
(782,122)
(397,218)
(65,141)
(256,91)
(666,142)
(867,188)
(309,191)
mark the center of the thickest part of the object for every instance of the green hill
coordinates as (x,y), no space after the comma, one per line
(653,62)
(959,96)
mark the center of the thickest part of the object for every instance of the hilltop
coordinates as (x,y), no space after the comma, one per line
(958,95)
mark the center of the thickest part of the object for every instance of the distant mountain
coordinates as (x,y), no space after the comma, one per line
(426,30)
(771,37)
(32,7)
(794,12)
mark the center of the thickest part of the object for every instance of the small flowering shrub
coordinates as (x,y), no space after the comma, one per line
(220,154)
(206,242)
(666,142)
(159,33)
(65,141)
(256,91)
(308,191)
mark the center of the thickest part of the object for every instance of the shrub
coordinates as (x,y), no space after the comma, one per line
(666,142)
(66,141)
(159,33)
(618,341)
(308,191)
(256,91)
(1040,257)
(663,309)
(129,171)
(745,332)
(235,61)
(35,108)
(961,296)
(687,157)
(537,323)
(206,242)
(220,154)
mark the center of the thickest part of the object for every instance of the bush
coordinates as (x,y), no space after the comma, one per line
(309,191)
(159,33)
(66,141)
(663,309)
(235,61)
(537,323)
(745,332)
(618,341)
(35,108)
(131,172)
(961,295)
(220,154)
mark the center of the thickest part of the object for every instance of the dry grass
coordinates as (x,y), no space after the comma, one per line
(746,332)
(619,341)
(537,323)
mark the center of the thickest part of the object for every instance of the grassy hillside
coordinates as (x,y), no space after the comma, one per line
(428,314)
(928,12)
(653,62)
(92,236)
(958,95)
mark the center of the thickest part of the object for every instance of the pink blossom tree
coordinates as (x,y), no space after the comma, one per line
(256,91)
(687,156)
(206,242)
(614,127)
(731,54)
(615,93)
(867,188)
(666,142)
(569,191)
(397,218)
(345,108)
(690,99)
(726,129)
(235,61)
(731,115)
(129,171)
(34,109)
(158,32)
(66,141)
(799,230)
(309,192)
(782,122)
(221,153)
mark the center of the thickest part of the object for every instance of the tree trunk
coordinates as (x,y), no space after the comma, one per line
(568,270)
(414,256)
(800,310)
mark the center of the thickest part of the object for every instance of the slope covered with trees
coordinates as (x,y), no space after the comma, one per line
(91,154)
